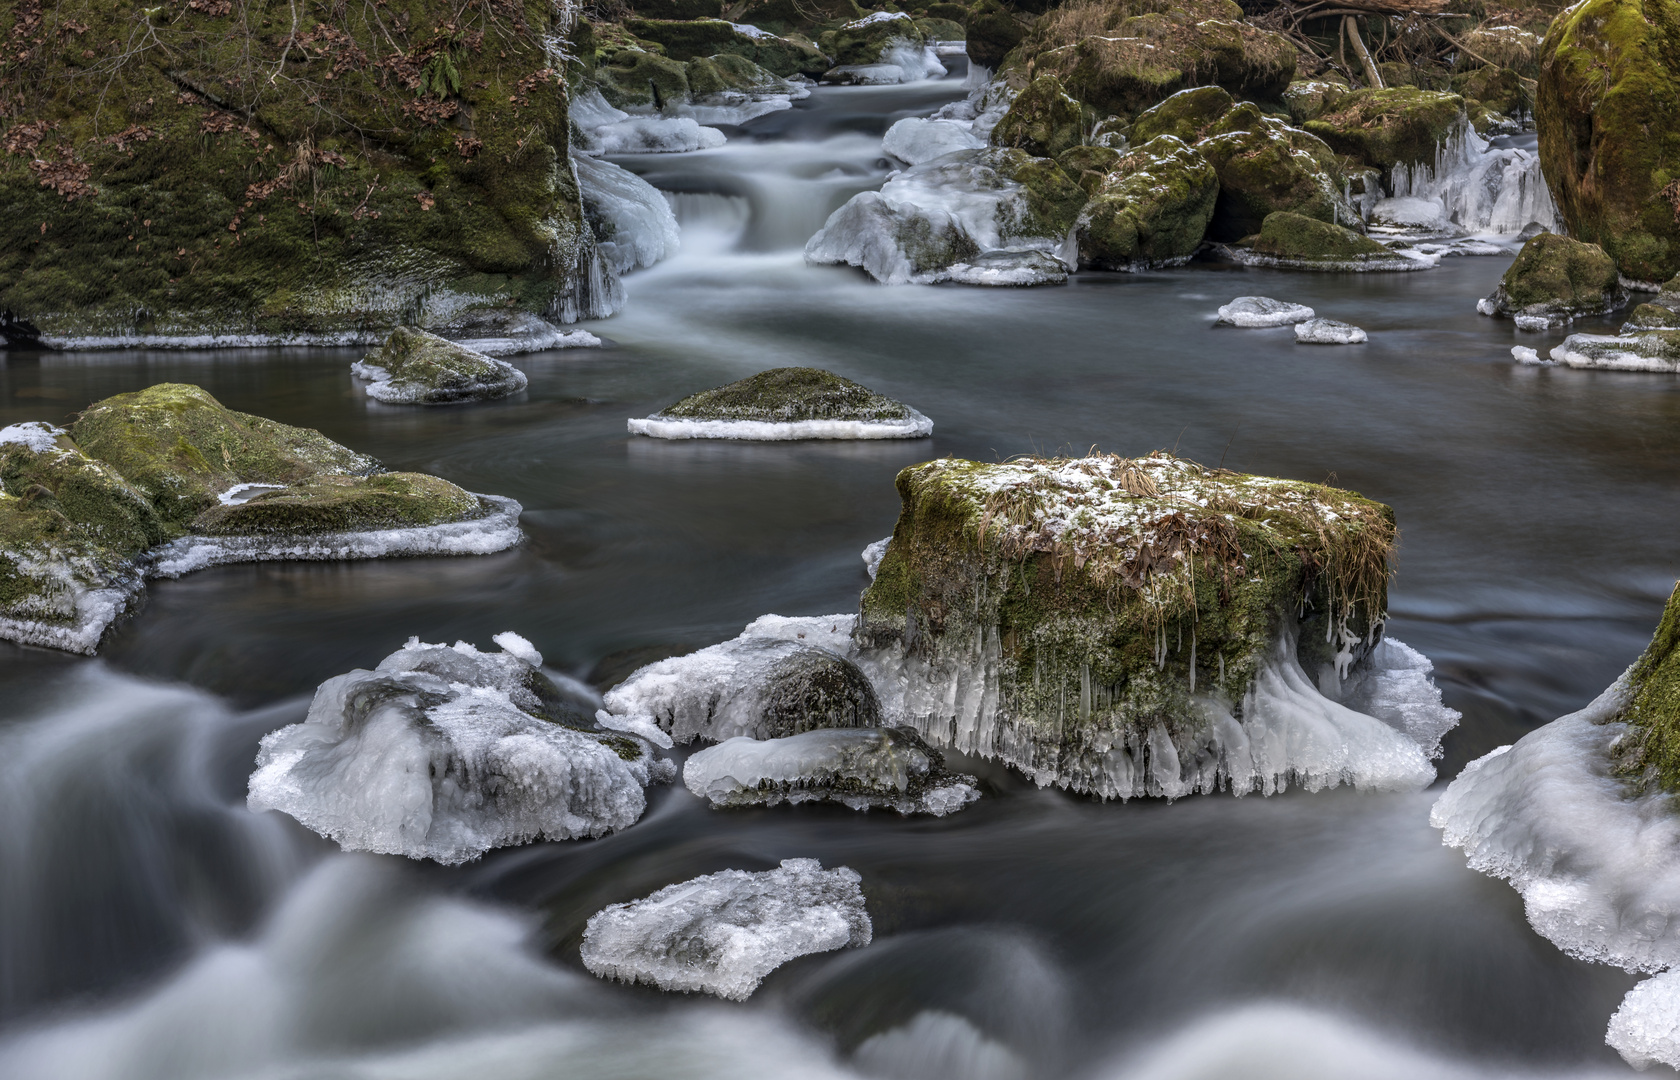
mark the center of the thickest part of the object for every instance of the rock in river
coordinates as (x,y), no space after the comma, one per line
(1262,311)
(1328,332)
(784,404)
(1553,281)
(417,368)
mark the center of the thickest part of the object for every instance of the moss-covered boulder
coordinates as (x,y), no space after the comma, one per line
(1089,166)
(1605,109)
(786,403)
(684,41)
(797,16)
(1308,99)
(1305,243)
(167,480)
(1064,613)
(1651,752)
(941,29)
(417,368)
(863,41)
(1185,116)
(640,79)
(1122,57)
(678,9)
(1042,120)
(993,30)
(1553,280)
(1151,209)
(266,172)
(1651,317)
(1265,166)
(1401,125)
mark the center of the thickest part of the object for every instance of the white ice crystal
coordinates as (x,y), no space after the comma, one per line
(643,229)
(1646,1029)
(37,436)
(858,767)
(1262,311)
(723,933)
(1328,332)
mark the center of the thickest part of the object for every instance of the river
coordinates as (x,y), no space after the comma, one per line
(150,926)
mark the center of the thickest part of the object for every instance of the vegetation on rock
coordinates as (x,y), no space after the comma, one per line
(1557,279)
(785,395)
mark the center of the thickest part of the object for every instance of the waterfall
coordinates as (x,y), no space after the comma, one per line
(1473,187)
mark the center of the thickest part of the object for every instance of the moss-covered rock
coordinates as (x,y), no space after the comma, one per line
(51,475)
(1088,166)
(1308,99)
(1093,597)
(1497,90)
(417,368)
(1295,240)
(937,29)
(1605,108)
(1553,280)
(329,503)
(1383,128)
(1042,120)
(863,41)
(684,41)
(1185,116)
(1643,350)
(1652,752)
(1651,317)
(270,172)
(678,9)
(1151,209)
(993,30)
(783,395)
(639,79)
(790,16)
(1264,166)
(1503,48)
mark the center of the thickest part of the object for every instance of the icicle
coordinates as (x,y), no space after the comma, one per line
(1192,661)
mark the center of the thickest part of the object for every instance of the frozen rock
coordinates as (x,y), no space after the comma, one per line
(761,687)
(417,368)
(897,243)
(857,767)
(1328,332)
(634,225)
(914,140)
(1015,269)
(1645,1030)
(1652,350)
(1522,354)
(723,933)
(444,752)
(786,404)
(1470,187)
(1262,311)
(608,130)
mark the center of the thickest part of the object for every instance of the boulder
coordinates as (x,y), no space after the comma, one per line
(701,38)
(639,79)
(166,480)
(1256,312)
(417,368)
(1185,115)
(942,29)
(1502,48)
(1605,109)
(1328,332)
(1646,350)
(165,211)
(1305,243)
(866,41)
(1383,128)
(862,768)
(786,403)
(1075,616)
(1553,281)
(993,30)
(1088,166)
(797,16)
(1151,209)
(678,9)
(1042,120)
(1651,317)
(1308,99)
(1265,166)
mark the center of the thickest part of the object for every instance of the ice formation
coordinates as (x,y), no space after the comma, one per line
(1328,332)
(1012,269)
(1650,351)
(444,752)
(925,219)
(1381,735)
(915,426)
(1645,1030)
(914,140)
(632,221)
(858,767)
(37,435)
(902,61)
(497,530)
(723,933)
(607,130)
(1522,354)
(1253,312)
(873,554)
(1471,187)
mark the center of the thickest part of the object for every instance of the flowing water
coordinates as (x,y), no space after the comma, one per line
(150,926)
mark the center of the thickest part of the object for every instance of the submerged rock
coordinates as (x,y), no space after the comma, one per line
(444,752)
(857,767)
(1304,243)
(1262,311)
(1151,209)
(1579,817)
(417,368)
(723,933)
(1328,332)
(1553,281)
(783,404)
(166,480)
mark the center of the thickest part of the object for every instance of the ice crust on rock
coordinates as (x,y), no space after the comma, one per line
(784,404)
(1254,312)
(1645,1030)
(1328,332)
(1009,269)
(915,426)
(902,61)
(414,367)
(914,139)
(444,752)
(857,767)
(873,554)
(633,222)
(1655,351)
(723,933)
(1472,187)
(608,130)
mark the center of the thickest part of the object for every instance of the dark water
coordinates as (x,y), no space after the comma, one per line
(150,926)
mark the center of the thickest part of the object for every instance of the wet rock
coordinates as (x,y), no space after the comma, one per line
(863,768)
(1262,311)
(1011,269)
(1088,166)
(1151,209)
(786,403)
(1308,99)
(1648,350)
(993,29)
(1264,166)
(1383,128)
(417,368)
(1304,243)
(1553,281)
(1328,332)
(1042,120)
(1185,116)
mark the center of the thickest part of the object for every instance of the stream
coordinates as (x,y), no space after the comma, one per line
(152,927)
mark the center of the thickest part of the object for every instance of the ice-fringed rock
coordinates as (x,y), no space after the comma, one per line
(633,223)
(785,404)
(1328,332)
(873,554)
(1652,350)
(723,933)
(1522,354)
(1012,269)
(857,767)
(1645,1030)
(902,61)
(608,130)
(914,140)
(417,368)
(1255,312)
(444,752)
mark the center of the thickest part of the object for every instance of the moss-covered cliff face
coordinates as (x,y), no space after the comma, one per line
(1652,753)
(1608,94)
(286,170)
(1098,595)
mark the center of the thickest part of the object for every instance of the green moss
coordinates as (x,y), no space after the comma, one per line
(330,503)
(1185,115)
(1308,99)
(1295,238)
(1653,709)
(426,369)
(863,44)
(1042,120)
(1652,317)
(1153,207)
(1088,166)
(783,395)
(104,508)
(1382,128)
(46,560)
(1264,166)
(635,78)
(993,30)
(937,29)
(1095,587)
(1556,276)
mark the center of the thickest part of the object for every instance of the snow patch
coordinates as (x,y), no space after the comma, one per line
(33,434)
